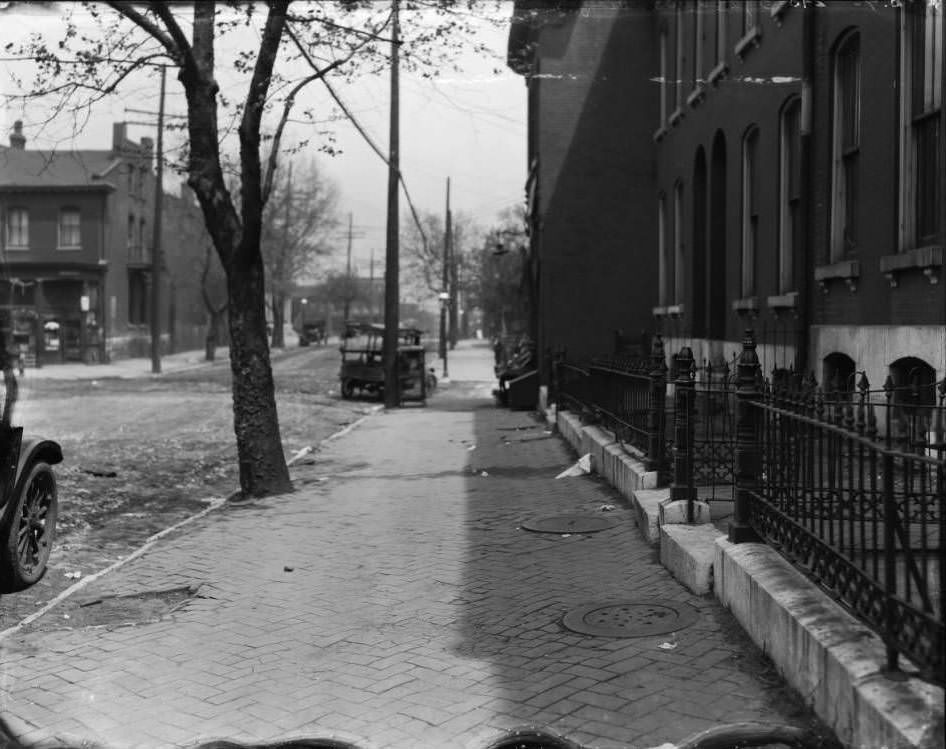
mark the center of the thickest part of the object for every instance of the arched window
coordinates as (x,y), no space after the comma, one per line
(914,381)
(914,397)
(790,229)
(846,140)
(838,373)
(750,210)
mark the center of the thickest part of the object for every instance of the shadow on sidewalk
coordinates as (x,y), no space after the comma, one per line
(517,586)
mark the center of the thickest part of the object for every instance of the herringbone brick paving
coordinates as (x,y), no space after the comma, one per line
(393,600)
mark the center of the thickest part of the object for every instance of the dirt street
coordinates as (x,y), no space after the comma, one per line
(143,454)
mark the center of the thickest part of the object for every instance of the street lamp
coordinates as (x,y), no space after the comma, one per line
(444,298)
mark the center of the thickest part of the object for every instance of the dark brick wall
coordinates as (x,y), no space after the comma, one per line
(596,104)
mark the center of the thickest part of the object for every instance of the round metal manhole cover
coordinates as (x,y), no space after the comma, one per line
(630,618)
(569,524)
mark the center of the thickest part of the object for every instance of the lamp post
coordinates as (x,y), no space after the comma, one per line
(444,297)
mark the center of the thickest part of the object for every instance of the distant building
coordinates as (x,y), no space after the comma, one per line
(733,165)
(75,277)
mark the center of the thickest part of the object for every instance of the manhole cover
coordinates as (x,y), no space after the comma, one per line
(630,618)
(569,524)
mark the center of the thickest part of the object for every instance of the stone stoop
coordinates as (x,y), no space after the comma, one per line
(825,653)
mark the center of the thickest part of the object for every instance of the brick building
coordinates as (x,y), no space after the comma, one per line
(75,278)
(591,170)
(791,178)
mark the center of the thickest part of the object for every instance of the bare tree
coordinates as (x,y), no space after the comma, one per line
(500,284)
(425,260)
(296,225)
(342,38)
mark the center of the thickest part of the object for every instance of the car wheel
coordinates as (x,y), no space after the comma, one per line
(28,529)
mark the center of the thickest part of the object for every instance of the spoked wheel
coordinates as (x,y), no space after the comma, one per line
(348,389)
(28,529)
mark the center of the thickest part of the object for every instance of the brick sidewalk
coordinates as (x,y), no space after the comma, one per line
(393,600)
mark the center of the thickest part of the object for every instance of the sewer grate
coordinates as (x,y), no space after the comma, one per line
(630,618)
(569,524)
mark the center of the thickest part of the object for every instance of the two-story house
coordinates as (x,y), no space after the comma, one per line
(75,272)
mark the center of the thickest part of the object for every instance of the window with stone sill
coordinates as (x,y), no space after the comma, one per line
(18,229)
(845,177)
(750,211)
(698,11)
(751,29)
(679,265)
(665,262)
(678,67)
(921,146)
(70,237)
(722,11)
(790,229)
(664,76)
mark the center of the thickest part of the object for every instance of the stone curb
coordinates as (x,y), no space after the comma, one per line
(827,655)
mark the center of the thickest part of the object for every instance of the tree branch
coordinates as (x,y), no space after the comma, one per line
(360,129)
(277,137)
(290,101)
(163,11)
(249,129)
(153,30)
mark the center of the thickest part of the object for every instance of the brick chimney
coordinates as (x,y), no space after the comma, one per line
(118,136)
(17,139)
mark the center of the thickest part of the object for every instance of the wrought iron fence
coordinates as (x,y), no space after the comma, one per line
(625,394)
(713,437)
(570,385)
(851,488)
(846,482)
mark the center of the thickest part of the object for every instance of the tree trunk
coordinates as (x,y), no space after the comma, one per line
(255,421)
(236,238)
(278,301)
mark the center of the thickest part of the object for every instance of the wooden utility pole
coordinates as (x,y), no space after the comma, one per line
(371,286)
(349,291)
(445,288)
(392,396)
(156,240)
(277,302)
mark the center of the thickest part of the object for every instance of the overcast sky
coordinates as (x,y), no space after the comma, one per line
(468,125)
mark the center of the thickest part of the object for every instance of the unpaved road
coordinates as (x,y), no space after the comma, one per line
(169,441)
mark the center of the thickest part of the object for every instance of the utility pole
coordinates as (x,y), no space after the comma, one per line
(371,286)
(445,300)
(156,240)
(392,396)
(348,285)
(454,308)
(278,296)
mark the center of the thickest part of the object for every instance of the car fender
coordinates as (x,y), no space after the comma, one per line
(38,449)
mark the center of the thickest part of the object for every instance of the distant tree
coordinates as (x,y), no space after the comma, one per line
(298,218)
(501,286)
(213,294)
(425,260)
(288,47)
